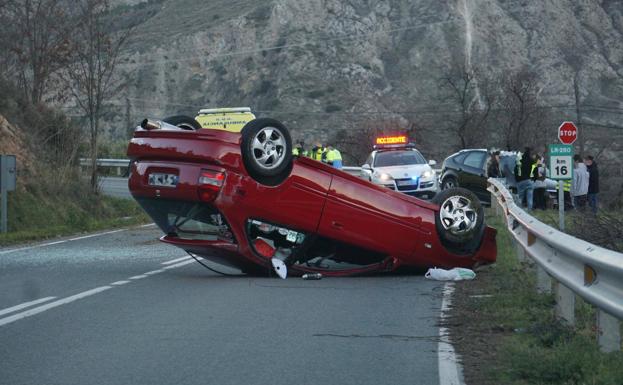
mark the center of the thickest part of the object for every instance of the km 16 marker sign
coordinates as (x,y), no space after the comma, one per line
(560,161)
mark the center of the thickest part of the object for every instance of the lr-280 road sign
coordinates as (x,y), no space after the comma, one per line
(560,161)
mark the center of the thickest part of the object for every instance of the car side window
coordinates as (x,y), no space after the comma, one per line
(459,158)
(475,159)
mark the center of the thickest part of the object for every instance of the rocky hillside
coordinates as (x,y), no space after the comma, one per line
(322,65)
(13,143)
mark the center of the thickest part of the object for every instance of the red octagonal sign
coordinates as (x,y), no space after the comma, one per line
(567,133)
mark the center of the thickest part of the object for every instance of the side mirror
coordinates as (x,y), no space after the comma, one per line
(432,162)
(366,167)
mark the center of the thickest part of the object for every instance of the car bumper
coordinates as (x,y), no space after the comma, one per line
(423,190)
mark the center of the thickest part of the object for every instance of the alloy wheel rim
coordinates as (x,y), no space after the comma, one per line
(458,215)
(269,148)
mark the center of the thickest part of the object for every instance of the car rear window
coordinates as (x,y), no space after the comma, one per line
(398,158)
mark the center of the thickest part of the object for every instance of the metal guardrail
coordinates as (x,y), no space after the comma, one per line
(352,170)
(120,164)
(572,266)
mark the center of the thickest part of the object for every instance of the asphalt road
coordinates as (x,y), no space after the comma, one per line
(115,186)
(118,308)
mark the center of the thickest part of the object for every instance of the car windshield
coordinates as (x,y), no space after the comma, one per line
(398,158)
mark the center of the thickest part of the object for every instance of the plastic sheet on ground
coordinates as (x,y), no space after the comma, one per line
(456,274)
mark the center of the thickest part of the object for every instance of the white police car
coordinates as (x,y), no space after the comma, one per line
(396,164)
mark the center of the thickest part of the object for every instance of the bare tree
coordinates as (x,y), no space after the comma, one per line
(96,50)
(473,99)
(572,53)
(518,110)
(36,35)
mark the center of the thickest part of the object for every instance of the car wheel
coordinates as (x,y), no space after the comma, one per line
(266,149)
(183,122)
(449,182)
(460,221)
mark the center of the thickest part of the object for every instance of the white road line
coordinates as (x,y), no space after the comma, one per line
(176,260)
(66,240)
(178,265)
(119,283)
(63,301)
(25,305)
(154,272)
(450,371)
(138,277)
(95,235)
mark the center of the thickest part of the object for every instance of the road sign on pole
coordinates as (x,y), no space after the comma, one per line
(561,169)
(567,133)
(7,183)
(561,161)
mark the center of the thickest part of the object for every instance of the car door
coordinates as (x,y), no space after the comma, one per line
(297,203)
(370,217)
(473,176)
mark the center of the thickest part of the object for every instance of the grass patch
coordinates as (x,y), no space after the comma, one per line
(515,326)
(36,213)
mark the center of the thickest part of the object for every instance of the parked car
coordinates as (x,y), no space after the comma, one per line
(242,200)
(401,167)
(468,169)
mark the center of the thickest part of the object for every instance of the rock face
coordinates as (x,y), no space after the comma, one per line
(13,143)
(324,65)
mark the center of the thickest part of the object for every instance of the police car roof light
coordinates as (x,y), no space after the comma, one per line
(392,139)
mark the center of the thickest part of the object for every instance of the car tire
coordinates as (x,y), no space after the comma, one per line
(183,122)
(266,149)
(449,182)
(460,221)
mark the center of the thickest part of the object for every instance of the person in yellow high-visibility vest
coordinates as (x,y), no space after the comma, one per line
(334,157)
(566,188)
(299,149)
(318,152)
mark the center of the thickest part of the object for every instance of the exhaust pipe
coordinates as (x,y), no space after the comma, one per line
(149,124)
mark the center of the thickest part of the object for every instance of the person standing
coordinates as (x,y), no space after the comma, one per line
(299,149)
(593,182)
(319,152)
(579,186)
(493,168)
(525,186)
(334,157)
(538,177)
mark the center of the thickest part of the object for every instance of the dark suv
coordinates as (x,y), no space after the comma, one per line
(467,169)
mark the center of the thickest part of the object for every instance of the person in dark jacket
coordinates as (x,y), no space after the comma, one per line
(523,173)
(593,182)
(538,178)
(493,169)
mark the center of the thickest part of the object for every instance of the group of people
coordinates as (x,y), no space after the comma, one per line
(326,154)
(530,173)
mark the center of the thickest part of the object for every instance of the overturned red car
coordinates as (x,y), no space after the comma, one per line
(241,199)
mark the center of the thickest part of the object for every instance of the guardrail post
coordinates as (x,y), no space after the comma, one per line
(521,253)
(543,281)
(608,332)
(565,303)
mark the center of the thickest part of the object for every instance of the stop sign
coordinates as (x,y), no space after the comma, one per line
(567,133)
